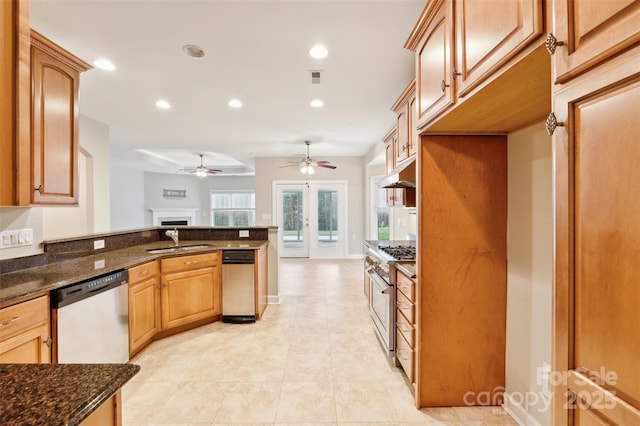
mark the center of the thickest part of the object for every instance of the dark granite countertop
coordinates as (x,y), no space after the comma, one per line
(57,394)
(27,283)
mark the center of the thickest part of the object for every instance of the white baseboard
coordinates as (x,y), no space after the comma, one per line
(355,256)
(273,300)
(519,414)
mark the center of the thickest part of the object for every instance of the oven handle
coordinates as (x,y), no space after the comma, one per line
(382,285)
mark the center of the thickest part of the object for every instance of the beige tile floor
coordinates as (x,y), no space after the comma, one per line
(313,359)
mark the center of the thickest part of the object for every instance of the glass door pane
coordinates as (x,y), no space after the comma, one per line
(327,219)
(293,226)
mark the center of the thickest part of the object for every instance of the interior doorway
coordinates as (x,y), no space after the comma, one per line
(311,219)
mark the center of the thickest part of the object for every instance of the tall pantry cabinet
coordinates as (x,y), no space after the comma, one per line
(595,125)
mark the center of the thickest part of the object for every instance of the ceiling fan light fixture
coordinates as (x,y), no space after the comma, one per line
(307,170)
(201,173)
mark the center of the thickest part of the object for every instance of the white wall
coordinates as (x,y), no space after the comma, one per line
(197,193)
(529,272)
(54,222)
(127,198)
(92,215)
(350,169)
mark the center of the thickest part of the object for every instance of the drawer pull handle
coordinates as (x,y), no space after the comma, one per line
(551,43)
(9,321)
(192,262)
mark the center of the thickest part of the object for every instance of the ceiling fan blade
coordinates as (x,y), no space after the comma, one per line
(209,170)
(292,165)
(325,165)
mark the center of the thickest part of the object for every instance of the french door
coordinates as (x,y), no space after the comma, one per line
(311,218)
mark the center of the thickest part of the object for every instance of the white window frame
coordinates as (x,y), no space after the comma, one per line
(212,210)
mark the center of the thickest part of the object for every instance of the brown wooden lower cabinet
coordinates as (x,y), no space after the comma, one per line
(144,305)
(461,319)
(25,331)
(108,414)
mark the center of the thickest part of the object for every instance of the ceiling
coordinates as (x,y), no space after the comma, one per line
(257,52)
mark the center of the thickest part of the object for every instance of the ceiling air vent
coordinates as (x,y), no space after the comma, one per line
(315,77)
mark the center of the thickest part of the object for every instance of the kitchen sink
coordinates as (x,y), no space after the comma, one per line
(179,249)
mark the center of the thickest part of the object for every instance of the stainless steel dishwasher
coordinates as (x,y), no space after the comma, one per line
(91,320)
(238,286)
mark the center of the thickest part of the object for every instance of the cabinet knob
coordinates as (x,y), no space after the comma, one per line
(39,189)
(455,74)
(552,123)
(551,43)
(48,341)
(443,85)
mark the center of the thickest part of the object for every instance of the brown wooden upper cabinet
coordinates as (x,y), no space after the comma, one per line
(15,104)
(587,33)
(433,43)
(484,35)
(55,78)
(406,134)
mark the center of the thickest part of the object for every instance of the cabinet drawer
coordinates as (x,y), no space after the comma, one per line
(405,306)
(186,263)
(405,354)
(142,272)
(406,328)
(22,316)
(406,286)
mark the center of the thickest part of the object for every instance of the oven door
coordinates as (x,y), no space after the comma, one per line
(382,310)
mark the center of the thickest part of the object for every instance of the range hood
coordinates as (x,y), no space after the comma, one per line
(403,176)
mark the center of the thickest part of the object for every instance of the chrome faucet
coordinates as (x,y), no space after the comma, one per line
(173,234)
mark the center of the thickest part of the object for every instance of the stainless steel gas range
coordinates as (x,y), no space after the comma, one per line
(381,258)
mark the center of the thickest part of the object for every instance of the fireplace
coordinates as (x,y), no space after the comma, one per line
(174,217)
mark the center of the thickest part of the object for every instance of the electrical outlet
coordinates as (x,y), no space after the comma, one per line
(16,238)
(243,234)
(98,244)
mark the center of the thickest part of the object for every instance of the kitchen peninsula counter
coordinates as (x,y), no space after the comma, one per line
(58,394)
(27,283)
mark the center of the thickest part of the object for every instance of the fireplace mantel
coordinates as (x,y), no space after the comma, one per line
(160,215)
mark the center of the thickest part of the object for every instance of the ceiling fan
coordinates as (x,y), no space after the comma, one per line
(201,170)
(307,165)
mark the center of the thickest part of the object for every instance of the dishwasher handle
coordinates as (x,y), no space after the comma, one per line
(79,291)
(238,257)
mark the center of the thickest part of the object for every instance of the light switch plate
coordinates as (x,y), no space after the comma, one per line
(98,244)
(243,234)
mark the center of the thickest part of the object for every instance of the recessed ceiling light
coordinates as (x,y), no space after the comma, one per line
(104,64)
(194,51)
(318,51)
(235,103)
(162,104)
(317,103)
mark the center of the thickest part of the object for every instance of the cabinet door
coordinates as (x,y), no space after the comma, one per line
(144,312)
(434,64)
(597,229)
(402,141)
(55,130)
(390,156)
(190,296)
(28,347)
(489,33)
(592,32)
(413,122)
